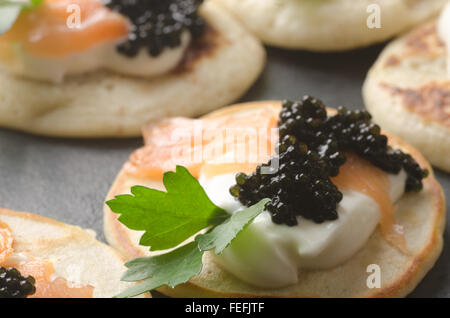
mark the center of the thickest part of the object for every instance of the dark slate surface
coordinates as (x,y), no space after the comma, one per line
(68,179)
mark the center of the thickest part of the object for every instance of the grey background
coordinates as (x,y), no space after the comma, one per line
(68,179)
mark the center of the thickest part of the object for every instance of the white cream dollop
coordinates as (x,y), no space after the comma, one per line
(269,255)
(15,259)
(443,29)
(101,56)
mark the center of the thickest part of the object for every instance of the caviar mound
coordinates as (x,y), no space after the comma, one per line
(305,120)
(158,24)
(310,152)
(301,174)
(14,285)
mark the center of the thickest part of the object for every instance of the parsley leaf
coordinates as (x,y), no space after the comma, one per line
(168,218)
(10,11)
(222,235)
(183,263)
(170,269)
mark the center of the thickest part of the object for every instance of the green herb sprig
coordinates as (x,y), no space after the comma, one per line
(170,218)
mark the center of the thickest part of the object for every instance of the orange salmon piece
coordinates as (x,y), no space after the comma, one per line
(44,31)
(360,175)
(167,143)
(194,143)
(42,271)
(6,242)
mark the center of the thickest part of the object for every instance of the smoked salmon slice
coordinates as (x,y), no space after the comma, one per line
(49,31)
(6,242)
(360,175)
(196,142)
(48,286)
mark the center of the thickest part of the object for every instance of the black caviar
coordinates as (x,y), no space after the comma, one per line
(158,24)
(14,285)
(301,185)
(310,151)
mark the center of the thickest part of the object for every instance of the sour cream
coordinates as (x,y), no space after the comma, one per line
(444,32)
(104,56)
(269,255)
(15,259)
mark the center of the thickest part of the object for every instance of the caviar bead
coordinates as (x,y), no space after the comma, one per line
(240,178)
(14,285)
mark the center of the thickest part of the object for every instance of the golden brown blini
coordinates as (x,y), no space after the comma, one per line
(77,256)
(408,93)
(215,72)
(422,215)
(329,25)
